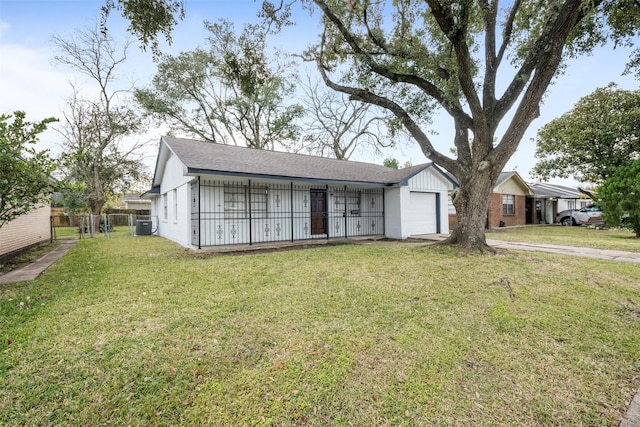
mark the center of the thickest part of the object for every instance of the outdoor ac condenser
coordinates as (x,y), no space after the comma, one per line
(143,227)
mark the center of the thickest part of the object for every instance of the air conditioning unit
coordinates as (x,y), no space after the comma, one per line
(143,227)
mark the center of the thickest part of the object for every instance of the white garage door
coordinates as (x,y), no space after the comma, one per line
(422,213)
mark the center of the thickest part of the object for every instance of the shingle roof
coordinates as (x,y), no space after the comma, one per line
(208,157)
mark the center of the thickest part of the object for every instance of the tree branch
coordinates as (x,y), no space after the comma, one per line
(414,129)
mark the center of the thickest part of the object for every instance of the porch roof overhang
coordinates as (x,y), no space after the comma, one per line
(198,171)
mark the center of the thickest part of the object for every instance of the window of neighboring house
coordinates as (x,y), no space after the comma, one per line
(175,205)
(508,204)
(165,207)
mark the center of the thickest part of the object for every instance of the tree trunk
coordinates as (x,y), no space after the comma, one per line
(96,209)
(471,201)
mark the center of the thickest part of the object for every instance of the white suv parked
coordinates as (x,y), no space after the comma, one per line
(591,214)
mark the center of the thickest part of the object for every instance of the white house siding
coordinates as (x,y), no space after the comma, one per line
(280,211)
(411,209)
(396,218)
(26,231)
(174,188)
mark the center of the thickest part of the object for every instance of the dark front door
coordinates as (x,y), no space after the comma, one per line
(318,211)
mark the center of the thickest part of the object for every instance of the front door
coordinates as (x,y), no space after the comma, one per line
(318,211)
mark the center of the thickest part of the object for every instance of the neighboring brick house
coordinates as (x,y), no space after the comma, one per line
(507,206)
(508,203)
(26,231)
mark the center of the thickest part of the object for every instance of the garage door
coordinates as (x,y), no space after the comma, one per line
(423,218)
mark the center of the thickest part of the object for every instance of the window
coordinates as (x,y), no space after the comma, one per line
(259,201)
(175,205)
(236,199)
(338,201)
(165,207)
(508,204)
(352,202)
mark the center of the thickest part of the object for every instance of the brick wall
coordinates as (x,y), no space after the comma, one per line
(495,212)
(452,221)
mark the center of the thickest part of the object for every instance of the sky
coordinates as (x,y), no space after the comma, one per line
(30,81)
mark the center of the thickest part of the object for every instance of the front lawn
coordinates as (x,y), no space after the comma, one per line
(622,240)
(138,331)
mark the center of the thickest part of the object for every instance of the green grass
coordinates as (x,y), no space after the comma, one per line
(623,240)
(139,331)
(66,232)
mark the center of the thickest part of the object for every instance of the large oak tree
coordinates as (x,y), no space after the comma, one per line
(480,61)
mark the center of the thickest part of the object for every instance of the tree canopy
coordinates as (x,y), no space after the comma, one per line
(479,62)
(619,197)
(25,180)
(590,142)
(231,90)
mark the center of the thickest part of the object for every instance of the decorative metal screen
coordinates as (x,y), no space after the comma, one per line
(230,213)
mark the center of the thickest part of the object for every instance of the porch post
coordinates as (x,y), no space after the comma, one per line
(384,218)
(346,234)
(326,210)
(250,222)
(199,215)
(291,208)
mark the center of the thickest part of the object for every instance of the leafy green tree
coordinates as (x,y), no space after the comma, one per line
(619,197)
(478,62)
(590,142)
(25,179)
(229,92)
(96,161)
(391,163)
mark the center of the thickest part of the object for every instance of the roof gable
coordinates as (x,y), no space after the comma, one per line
(511,183)
(199,157)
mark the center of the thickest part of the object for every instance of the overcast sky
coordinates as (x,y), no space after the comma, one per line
(29,80)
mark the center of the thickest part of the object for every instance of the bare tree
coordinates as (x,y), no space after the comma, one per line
(339,126)
(96,157)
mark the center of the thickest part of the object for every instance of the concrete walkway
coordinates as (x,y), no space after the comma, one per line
(553,249)
(32,270)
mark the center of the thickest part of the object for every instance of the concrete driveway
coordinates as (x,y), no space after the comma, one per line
(553,249)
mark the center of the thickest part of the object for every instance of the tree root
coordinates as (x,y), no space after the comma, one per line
(479,248)
(629,308)
(505,282)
